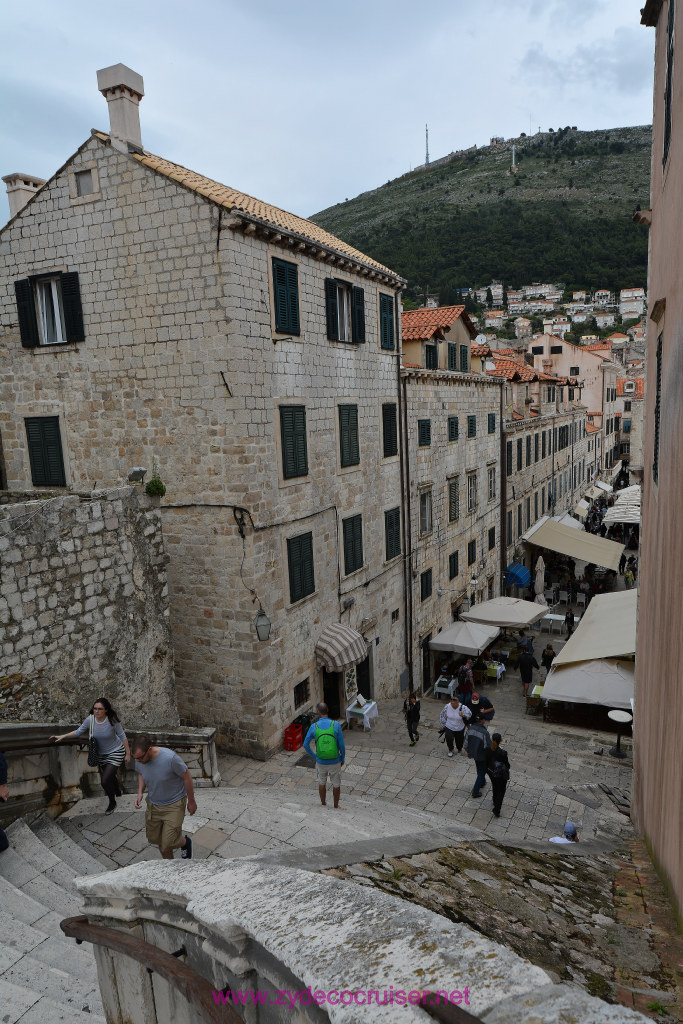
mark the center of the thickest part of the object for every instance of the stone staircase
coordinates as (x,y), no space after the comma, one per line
(45,978)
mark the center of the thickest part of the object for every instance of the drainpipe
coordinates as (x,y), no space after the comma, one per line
(406,521)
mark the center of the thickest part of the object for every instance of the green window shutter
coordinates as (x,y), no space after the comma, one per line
(453,428)
(463,358)
(348,435)
(353,544)
(431,357)
(392,533)
(331,309)
(492,423)
(508,457)
(453,500)
(389,429)
(386,320)
(26,307)
(286,291)
(472,552)
(471,426)
(293,435)
(71,303)
(452,356)
(358,316)
(453,565)
(300,562)
(424,433)
(426,584)
(45,451)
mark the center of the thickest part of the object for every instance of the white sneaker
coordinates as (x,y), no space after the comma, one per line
(450,753)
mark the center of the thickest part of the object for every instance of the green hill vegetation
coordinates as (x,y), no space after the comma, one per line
(565,215)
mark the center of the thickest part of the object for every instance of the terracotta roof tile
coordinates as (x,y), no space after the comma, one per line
(240,202)
(480,350)
(420,324)
(591,429)
(638,392)
(508,368)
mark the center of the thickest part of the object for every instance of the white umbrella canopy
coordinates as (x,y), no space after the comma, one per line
(539,582)
(506,611)
(465,638)
(607,681)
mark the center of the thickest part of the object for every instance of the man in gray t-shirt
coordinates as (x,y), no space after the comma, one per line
(168,782)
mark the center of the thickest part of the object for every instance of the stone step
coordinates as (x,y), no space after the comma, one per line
(73,832)
(33,850)
(50,888)
(20,1005)
(16,903)
(64,847)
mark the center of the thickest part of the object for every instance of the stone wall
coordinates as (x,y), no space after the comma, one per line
(84,609)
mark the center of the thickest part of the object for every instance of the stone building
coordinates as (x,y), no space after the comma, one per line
(658,743)
(630,416)
(150,315)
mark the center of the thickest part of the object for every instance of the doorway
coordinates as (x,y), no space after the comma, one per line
(363,680)
(331,693)
(426,664)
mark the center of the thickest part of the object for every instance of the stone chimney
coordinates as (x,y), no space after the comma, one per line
(20,188)
(123,89)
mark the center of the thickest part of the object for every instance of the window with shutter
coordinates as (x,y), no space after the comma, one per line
(492,483)
(668,87)
(348,435)
(426,584)
(452,356)
(492,538)
(492,422)
(389,430)
(453,500)
(386,321)
(464,359)
(424,433)
(508,458)
(453,565)
(508,538)
(300,562)
(535,447)
(392,533)
(471,492)
(528,450)
(543,444)
(353,543)
(286,293)
(49,308)
(331,309)
(45,451)
(358,316)
(658,410)
(471,426)
(519,453)
(293,436)
(425,512)
(453,428)
(431,357)
(471,552)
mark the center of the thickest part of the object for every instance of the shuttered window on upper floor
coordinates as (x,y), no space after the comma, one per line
(49,309)
(294,445)
(300,563)
(348,435)
(286,294)
(386,321)
(392,533)
(389,430)
(345,311)
(353,543)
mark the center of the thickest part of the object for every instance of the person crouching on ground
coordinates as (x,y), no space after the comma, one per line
(170,790)
(453,718)
(112,745)
(329,754)
(411,711)
(498,768)
(569,836)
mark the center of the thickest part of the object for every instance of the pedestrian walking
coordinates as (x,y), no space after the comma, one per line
(547,658)
(622,563)
(498,768)
(104,725)
(465,682)
(477,745)
(569,623)
(453,718)
(4,796)
(527,663)
(170,792)
(411,711)
(329,754)
(629,578)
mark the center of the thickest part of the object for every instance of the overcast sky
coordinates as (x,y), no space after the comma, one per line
(309,102)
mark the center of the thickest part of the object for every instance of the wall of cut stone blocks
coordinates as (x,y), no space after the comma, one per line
(84,609)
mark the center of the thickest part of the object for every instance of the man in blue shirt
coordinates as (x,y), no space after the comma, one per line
(329,754)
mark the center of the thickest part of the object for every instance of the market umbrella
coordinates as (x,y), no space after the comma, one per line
(539,584)
(506,611)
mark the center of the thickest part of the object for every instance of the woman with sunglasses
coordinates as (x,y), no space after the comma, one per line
(112,745)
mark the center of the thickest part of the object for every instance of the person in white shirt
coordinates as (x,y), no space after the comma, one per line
(453,719)
(569,836)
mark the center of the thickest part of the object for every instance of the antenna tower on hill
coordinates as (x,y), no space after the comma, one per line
(426,145)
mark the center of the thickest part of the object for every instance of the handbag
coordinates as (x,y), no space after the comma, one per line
(93,753)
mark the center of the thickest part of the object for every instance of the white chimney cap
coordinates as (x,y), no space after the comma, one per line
(119,75)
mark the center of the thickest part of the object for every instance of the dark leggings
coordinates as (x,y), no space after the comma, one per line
(109,781)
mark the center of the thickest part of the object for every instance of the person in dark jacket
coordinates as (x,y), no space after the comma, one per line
(482,708)
(527,664)
(4,795)
(411,710)
(569,623)
(477,745)
(547,658)
(498,769)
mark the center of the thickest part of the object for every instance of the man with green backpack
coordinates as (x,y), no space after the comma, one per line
(329,753)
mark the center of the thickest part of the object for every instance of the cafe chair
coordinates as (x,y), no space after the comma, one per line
(564,597)
(580,599)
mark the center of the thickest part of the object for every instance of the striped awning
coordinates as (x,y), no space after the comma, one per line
(339,647)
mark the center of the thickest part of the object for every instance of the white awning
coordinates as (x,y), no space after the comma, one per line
(465,638)
(606,682)
(626,508)
(604,486)
(606,630)
(339,647)
(581,508)
(506,611)
(577,544)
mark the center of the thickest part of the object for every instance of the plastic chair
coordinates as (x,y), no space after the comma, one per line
(564,597)
(580,599)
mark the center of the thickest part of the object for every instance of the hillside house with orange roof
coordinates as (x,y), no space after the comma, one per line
(150,315)
(437,339)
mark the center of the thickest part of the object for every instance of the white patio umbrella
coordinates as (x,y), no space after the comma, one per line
(539,583)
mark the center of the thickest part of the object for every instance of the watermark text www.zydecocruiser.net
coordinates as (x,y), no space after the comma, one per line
(344,997)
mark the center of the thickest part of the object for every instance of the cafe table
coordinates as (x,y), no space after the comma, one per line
(367,714)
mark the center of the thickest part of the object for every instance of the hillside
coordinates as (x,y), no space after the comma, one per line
(565,215)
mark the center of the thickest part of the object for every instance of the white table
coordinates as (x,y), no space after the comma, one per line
(553,619)
(367,713)
(445,685)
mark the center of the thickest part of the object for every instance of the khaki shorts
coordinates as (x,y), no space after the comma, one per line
(164,825)
(334,772)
